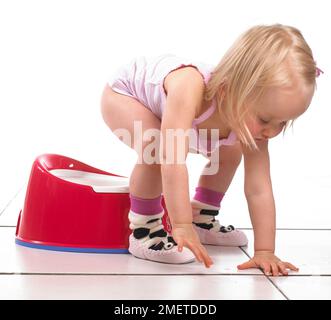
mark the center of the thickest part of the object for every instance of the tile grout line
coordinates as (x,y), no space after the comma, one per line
(8,226)
(122,274)
(150,274)
(280,290)
(10,201)
(268,278)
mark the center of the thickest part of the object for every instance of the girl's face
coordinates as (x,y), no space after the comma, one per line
(276,108)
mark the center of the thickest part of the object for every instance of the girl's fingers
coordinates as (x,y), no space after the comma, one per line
(195,251)
(269,268)
(198,255)
(247,265)
(207,259)
(274,268)
(282,268)
(198,250)
(204,258)
(180,245)
(291,266)
(201,254)
(265,267)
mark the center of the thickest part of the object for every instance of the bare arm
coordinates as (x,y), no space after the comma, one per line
(259,195)
(184,96)
(261,204)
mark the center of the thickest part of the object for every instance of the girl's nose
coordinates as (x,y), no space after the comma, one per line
(269,133)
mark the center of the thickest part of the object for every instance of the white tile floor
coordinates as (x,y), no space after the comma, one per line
(27,273)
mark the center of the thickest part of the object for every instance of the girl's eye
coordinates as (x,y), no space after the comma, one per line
(264,121)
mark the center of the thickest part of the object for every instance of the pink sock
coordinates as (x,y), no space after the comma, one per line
(146,206)
(208,196)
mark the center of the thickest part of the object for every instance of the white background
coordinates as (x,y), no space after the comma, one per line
(56,56)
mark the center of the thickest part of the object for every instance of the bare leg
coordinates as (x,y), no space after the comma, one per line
(120,112)
(145,181)
(148,239)
(230,157)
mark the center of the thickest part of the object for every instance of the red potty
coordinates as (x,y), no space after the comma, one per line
(71,206)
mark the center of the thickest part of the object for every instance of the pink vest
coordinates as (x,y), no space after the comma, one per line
(143,79)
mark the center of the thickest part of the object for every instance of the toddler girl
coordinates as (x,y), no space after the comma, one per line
(167,106)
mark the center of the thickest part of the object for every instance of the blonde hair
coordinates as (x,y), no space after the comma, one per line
(264,56)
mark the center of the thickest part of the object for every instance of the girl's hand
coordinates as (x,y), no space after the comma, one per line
(185,235)
(269,263)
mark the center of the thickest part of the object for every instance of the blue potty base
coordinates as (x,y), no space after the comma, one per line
(69,249)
